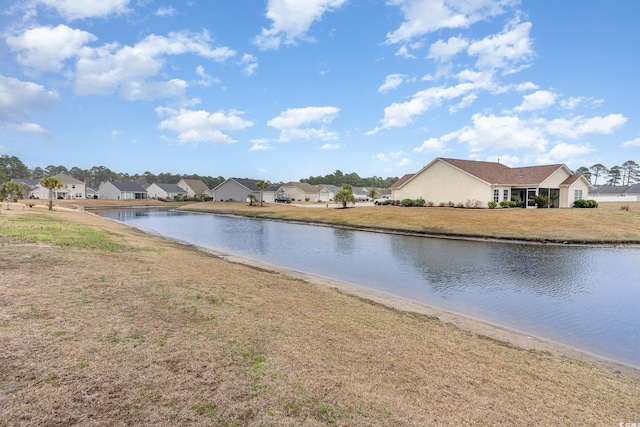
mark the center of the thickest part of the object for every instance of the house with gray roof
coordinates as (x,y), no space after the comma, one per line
(461,181)
(616,193)
(165,192)
(238,190)
(121,190)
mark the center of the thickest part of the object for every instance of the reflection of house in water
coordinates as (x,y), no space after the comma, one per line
(450,266)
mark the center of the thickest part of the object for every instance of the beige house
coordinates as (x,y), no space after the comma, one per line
(302,192)
(71,188)
(195,188)
(165,191)
(238,190)
(475,183)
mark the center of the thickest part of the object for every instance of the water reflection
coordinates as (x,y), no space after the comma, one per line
(457,266)
(585,297)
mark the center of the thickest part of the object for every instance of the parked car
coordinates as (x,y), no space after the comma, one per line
(385,199)
(283,200)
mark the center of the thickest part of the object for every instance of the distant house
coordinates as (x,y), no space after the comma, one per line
(458,181)
(71,188)
(34,187)
(165,191)
(121,190)
(616,193)
(238,190)
(300,191)
(327,192)
(195,188)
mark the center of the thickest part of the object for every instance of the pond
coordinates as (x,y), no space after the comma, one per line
(584,297)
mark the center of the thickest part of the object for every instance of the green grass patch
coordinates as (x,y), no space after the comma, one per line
(49,230)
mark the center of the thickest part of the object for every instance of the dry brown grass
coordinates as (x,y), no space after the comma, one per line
(607,224)
(162,334)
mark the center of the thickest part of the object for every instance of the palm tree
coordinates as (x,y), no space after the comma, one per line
(52,184)
(345,195)
(10,190)
(252,198)
(262,185)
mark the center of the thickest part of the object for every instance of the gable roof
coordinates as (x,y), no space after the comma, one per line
(617,189)
(66,179)
(196,185)
(497,173)
(128,186)
(249,184)
(402,180)
(307,188)
(27,181)
(169,188)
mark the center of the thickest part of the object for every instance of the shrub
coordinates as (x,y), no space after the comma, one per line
(406,202)
(585,204)
(509,204)
(442,204)
(459,205)
(492,204)
(430,204)
(624,207)
(419,202)
(450,204)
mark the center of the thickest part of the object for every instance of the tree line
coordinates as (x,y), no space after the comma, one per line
(339,179)
(12,167)
(626,174)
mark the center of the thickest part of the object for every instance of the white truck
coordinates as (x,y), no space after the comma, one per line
(385,199)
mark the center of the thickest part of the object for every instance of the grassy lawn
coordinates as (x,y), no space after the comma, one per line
(101,324)
(606,224)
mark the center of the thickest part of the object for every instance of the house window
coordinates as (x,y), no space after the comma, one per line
(505,195)
(577,195)
(73,186)
(496,195)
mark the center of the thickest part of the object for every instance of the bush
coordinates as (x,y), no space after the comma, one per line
(430,204)
(509,204)
(419,202)
(492,204)
(585,204)
(406,202)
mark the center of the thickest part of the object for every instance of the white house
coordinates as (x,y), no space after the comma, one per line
(71,188)
(238,189)
(616,193)
(165,191)
(462,181)
(121,190)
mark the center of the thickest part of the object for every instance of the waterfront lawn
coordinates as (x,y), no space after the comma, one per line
(157,333)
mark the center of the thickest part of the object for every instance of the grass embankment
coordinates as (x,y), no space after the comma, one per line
(607,224)
(105,325)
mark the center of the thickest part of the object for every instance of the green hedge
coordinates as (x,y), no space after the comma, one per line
(585,204)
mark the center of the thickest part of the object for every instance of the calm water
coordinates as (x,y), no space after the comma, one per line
(588,298)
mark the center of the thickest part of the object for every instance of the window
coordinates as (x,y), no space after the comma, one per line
(505,195)
(577,195)
(73,186)
(496,195)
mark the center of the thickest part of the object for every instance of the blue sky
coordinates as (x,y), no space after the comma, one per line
(285,89)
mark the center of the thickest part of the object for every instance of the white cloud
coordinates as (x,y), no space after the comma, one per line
(510,161)
(291,20)
(571,103)
(205,79)
(566,151)
(250,64)
(431,145)
(524,87)
(202,126)
(80,9)
(502,132)
(579,126)
(392,81)
(426,16)
(404,162)
(443,51)
(503,50)
(106,69)
(260,145)
(17,99)
(165,11)
(330,147)
(537,101)
(30,128)
(292,122)
(631,143)
(45,48)
(401,114)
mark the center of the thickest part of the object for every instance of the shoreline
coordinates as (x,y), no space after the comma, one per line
(471,324)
